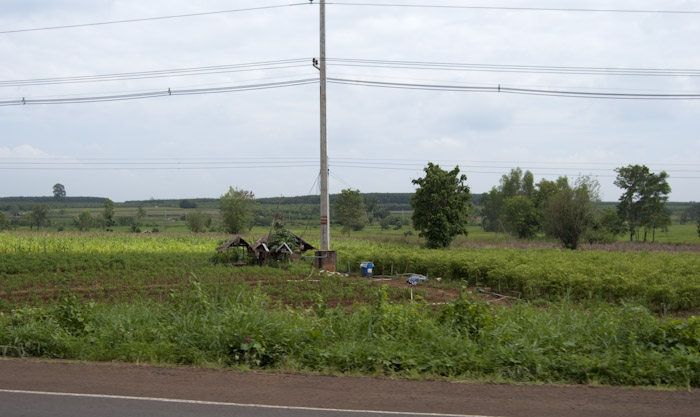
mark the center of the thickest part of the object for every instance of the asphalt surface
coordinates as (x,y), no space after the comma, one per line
(31,388)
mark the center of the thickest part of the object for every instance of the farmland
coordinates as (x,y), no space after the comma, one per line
(609,317)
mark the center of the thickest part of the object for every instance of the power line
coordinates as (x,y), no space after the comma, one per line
(468,171)
(301,62)
(144,19)
(177,163)
(525,9)
(471,166)
(173,168)
(174,160)
(422,6)
(517,163)
(177,72)
(356,82)
(160,93)
(511,90)
(537,69)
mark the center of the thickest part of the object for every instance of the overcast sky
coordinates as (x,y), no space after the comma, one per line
(379,138)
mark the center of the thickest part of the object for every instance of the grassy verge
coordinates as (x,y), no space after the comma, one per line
(236,326)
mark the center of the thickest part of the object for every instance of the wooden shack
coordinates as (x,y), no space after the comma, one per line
(260,252)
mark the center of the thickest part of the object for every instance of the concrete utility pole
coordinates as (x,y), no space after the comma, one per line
(325,258)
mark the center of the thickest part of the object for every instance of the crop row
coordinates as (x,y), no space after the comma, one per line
(661,281)
(95,243)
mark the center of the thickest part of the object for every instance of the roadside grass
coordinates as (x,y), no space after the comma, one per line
(237,326)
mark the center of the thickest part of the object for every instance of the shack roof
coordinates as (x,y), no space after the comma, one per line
(236,241)
(298,242)
(261,245)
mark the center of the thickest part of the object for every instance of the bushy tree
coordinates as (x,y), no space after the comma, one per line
(605,227)
(643,198)
(521,217)
(39,215)
(84,221)
(197,221)
(350,210)
(441,205)
(108,213)
(491,211)
(512,185)
(59,192)
(568,213)
(236,207)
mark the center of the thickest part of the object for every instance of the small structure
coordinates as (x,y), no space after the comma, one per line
(236,251)
(239,252)
(413,280)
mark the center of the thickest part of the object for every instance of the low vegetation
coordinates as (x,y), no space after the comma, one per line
(585,316)
(237,326)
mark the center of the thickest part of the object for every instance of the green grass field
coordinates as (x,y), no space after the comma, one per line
(616,314)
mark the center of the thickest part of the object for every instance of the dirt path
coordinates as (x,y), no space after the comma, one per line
(343,392)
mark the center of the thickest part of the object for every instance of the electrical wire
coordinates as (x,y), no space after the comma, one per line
(360,163)
(472,166)
(521,9)
(355,82)
(178,72)
(159,93)
(468,171)
(422,6)
(299,62)
(144,19)
(511,90)
(517,163)
(531,69)
(172,168)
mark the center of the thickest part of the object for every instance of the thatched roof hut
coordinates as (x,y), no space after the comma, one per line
(236,241)
(293,246)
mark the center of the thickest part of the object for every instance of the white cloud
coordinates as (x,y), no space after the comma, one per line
(441,145)
(363,122)
(22,151)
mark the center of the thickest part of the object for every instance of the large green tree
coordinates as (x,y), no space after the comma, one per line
(521,217)
(514,184)
(350,210)
(441,205)
(236,207)
(569,212)
(59,192)
(644,196)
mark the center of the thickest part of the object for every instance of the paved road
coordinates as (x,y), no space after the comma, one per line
(133,390)
(15,403)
